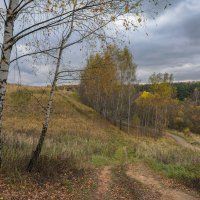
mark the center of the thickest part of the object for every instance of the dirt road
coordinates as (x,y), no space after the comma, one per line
(182,142)
(167,189)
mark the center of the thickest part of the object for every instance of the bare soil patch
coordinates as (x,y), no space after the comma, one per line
(166,188)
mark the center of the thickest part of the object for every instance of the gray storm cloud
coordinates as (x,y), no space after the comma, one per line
(172,45)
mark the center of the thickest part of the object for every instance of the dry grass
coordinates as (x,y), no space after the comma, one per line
(172,160)
(76,133)
(79,138)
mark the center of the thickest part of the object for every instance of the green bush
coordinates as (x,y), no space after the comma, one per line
(186,130)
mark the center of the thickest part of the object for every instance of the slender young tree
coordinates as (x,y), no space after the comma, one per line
(62,46)
(38,149)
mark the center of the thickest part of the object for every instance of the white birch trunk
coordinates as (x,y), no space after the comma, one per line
(5,62)
(38,149)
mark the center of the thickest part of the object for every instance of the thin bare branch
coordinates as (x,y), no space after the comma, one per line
(5,4)
(2,17)
(18,8)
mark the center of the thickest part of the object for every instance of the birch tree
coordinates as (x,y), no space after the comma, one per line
(107,83)
(35,16)
(62,45)
(153,108)
(30,17)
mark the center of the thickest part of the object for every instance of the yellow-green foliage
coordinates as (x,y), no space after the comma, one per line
(106,82)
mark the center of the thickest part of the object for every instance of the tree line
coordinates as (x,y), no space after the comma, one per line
(109,85)
(184,90)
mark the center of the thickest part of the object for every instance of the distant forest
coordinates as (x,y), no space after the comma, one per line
(183,90)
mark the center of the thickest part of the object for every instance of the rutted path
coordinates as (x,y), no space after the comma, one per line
(182,142)
(143,174)
(104,183)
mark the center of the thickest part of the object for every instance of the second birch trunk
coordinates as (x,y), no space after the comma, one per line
(38,149)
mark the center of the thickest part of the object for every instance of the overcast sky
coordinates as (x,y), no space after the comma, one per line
(172,45)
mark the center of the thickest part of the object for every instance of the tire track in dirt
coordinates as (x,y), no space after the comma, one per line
(104,183)
(143,174)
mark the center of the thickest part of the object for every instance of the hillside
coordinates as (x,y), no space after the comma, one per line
(86,157)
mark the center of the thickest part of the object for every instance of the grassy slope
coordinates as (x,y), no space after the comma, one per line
(79,139)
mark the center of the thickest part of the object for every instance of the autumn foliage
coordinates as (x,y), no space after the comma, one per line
(106,82)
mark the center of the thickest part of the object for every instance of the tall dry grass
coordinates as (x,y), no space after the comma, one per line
(79,138)
(77,135)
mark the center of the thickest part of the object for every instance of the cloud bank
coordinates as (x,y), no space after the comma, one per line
(172,45)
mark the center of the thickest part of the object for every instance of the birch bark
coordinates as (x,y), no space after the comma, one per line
(5,61)
(38,149)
